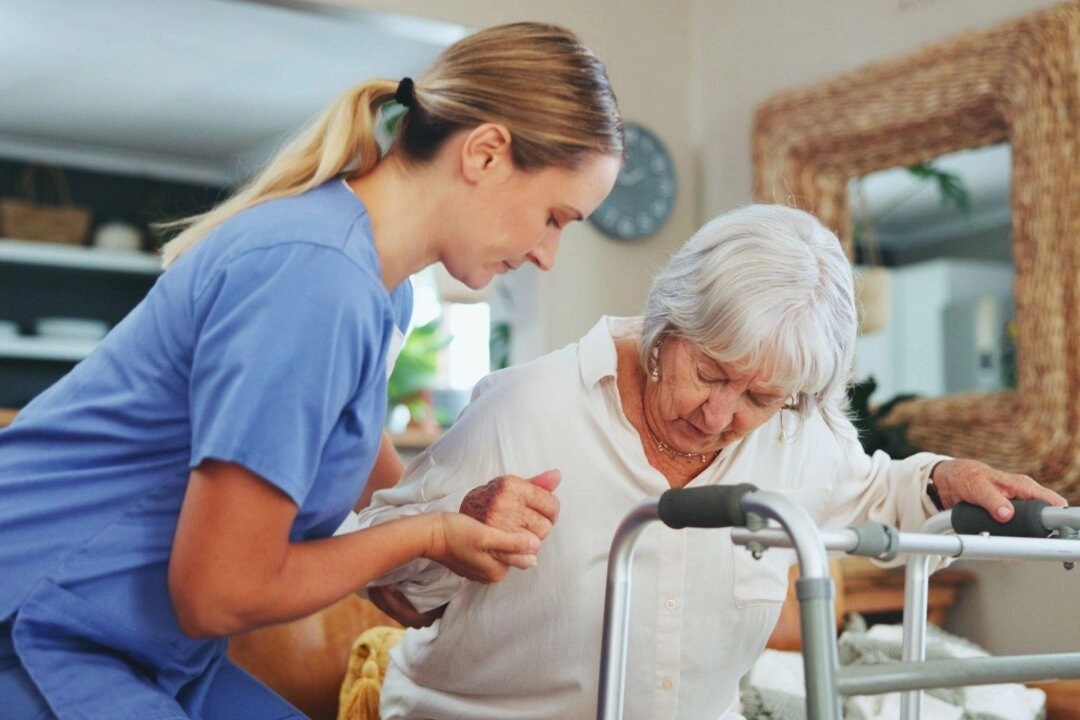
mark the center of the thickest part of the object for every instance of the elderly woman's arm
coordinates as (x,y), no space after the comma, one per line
(443,478)
(978,483)
(879,488)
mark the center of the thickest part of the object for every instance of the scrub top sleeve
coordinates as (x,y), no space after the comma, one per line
(286,336)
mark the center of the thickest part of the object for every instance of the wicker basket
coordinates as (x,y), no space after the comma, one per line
(29,218)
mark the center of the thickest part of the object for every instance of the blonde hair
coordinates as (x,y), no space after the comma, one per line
(538,80)
(764,287)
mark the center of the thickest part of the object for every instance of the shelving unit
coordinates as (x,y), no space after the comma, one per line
(40,280)
(84,258)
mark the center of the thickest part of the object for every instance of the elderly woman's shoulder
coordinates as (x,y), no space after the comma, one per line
(551,378)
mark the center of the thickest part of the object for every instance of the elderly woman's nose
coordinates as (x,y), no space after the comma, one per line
(719,407)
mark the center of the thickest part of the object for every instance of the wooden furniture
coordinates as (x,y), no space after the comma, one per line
(865,588)
(871,590)
(1062,699)
(1017,82)
(304,661)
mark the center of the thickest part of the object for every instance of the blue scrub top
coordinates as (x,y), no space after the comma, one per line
(264,345)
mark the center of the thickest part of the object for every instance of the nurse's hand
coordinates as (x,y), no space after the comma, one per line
(476,551)
(515,504)
(991,489)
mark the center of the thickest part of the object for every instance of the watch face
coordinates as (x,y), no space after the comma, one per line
(644,193)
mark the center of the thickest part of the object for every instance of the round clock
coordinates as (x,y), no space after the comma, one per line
(644,193)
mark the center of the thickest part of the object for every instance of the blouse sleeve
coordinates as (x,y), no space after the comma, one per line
(881,489)
(467,455)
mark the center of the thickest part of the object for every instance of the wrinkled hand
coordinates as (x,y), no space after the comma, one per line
(515,504)
(393,602)
(978,483)
(477,552)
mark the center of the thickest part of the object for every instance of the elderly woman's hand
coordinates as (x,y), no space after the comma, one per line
(393,602)
(978,483)
(512,503)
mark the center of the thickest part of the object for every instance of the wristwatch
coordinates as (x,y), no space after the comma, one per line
(932,491)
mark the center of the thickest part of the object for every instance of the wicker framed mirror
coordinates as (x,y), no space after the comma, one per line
(1018,82)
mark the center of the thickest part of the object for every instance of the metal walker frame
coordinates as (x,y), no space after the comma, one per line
(747,511)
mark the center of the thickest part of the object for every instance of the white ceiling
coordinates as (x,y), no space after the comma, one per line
(190,89)
(203,90)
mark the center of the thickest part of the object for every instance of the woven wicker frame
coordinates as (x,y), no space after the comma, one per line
(1017,82)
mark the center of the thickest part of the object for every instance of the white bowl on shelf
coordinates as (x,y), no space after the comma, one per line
(69,328)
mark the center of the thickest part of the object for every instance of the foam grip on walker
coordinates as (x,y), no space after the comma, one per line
(716,506)
(968,519)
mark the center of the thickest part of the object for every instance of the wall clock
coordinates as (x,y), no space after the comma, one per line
(644,193)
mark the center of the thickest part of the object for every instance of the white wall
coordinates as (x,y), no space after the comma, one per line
(747,50)
(693,71)
(910,355)
(647,48)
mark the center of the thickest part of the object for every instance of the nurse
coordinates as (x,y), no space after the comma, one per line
(182,483)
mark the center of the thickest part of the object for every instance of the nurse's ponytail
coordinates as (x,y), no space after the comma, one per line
(538,80)
(341,139)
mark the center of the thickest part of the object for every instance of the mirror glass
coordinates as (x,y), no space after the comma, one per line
(934,257)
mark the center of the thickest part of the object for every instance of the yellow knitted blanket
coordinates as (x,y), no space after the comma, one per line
(368,658)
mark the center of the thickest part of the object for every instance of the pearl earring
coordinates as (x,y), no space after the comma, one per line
(654,356)
(789,405)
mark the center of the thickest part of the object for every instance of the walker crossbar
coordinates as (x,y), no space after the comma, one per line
(1039,519)
(876,679)
(826,681)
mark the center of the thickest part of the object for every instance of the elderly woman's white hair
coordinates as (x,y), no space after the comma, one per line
(763,287)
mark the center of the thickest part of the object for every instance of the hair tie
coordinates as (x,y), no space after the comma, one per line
(404,94)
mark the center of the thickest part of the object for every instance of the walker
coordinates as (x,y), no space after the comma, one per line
(748,510)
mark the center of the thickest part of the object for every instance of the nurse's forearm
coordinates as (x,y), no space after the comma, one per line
(312,575)
(232,567)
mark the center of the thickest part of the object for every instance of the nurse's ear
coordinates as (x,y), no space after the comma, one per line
(485,154)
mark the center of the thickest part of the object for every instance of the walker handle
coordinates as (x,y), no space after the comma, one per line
(968,519)
(715,506)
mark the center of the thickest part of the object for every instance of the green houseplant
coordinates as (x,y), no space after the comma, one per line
(415,372)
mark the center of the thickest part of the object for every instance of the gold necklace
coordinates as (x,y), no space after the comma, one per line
(704,457)
(664,447)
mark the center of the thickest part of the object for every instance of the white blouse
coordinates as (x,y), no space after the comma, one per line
(702,608)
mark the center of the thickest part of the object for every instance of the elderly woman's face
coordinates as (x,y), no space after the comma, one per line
(700,405)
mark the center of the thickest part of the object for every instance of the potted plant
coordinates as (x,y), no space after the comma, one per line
(415,372)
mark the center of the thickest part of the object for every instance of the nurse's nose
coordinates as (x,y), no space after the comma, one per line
(544,254)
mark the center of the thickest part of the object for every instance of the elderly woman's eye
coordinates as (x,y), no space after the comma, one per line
(709,378)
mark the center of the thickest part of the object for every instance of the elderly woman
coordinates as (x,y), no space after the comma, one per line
(736,373)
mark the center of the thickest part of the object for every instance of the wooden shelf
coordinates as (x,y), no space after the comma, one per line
(869,589)
(39,348)
(80,258)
